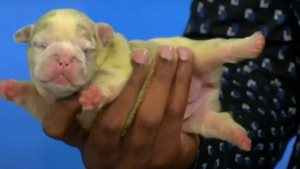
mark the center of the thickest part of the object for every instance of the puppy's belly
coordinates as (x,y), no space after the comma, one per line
(197,95)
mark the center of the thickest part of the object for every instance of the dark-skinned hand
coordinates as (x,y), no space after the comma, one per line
(155,139)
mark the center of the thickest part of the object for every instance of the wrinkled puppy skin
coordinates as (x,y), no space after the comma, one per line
(68,53)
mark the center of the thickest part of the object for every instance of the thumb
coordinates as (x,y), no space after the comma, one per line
(69,104)
(61,117)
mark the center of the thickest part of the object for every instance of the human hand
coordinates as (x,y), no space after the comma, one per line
(155,139)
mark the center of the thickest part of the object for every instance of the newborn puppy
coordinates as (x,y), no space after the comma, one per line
(68,53)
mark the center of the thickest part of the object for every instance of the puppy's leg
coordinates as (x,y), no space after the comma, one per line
(207,122)
(105,88)
(240,49)
(24,94)
(215,52)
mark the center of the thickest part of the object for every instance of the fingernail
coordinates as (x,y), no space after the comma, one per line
(141,57)
(184,53)
(167,52)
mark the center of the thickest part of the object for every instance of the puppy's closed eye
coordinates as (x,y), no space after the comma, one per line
(39,45)
(88,51)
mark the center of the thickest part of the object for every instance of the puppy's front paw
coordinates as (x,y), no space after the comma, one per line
(91,98)
(9,90)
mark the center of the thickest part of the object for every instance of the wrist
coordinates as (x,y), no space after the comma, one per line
(195,162)
(189,157)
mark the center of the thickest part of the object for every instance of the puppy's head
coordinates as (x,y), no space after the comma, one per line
(62,49)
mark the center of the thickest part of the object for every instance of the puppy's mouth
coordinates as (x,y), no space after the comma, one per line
(60,80)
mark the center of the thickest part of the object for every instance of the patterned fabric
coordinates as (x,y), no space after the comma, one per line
(262,94)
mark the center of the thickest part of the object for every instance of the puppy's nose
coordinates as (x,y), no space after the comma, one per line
(65,58)
(64,61)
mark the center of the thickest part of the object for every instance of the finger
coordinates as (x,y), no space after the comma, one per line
(168,135)
(138,144)
(106,132)
(61,123)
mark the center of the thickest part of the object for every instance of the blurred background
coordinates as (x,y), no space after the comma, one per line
(23,143)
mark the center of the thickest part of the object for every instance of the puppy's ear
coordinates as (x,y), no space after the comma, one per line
(105,33)
(23,34)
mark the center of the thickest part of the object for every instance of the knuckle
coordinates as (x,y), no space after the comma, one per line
(110,127)
(163,160)
(149,124)
(160,162)
(163,75)
(54,131)
(137,147)
(184,73)
(136,79)
(97,140)
(174,111)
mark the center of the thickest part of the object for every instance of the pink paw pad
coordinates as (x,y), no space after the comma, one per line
(241,139)
(91,98)
(259,42)
(9,90)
